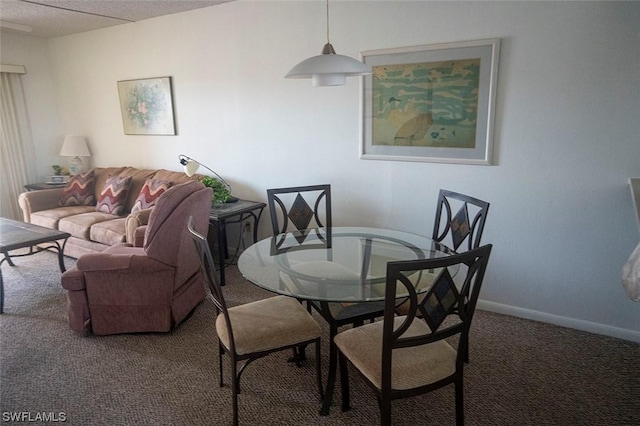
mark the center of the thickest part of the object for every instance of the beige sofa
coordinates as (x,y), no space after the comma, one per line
(92,231)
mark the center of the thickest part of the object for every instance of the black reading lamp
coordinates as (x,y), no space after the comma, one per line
(191,166)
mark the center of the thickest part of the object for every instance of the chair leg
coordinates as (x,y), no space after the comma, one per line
(385,411)
(319,370)
(234,392)
(331,378)
(344,383)
(220,372)
(459,403)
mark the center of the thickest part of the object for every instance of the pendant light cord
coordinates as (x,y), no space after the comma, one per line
(328,22)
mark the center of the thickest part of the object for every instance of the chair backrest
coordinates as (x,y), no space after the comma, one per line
(209,272)
(466,224)
(166,236)
(294,206)
(443,301)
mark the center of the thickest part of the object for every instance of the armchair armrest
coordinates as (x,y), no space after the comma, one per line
(135,226)
(35,201)
(104,262)
(131,262)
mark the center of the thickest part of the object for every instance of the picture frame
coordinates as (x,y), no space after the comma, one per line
(430,103)
(147,106)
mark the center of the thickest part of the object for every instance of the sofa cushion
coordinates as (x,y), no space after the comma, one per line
(102,174)
(50,218)
(150,192)
(138,178)
(114,195)
(80,225)
(109,232)
(79,191)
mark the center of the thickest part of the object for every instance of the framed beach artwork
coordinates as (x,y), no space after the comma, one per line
(147,106)
(430,103)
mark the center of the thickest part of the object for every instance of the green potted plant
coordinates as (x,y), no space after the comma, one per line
(221,192)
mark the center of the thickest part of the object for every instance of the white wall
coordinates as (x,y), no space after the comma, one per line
(566,131)
(40,89)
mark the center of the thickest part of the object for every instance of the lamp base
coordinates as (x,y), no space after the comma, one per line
(76,166)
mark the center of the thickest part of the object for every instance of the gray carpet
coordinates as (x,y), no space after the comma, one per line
(521,372)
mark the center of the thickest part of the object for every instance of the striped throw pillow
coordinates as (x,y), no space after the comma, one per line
(79,190)
(149,194)
(114,195)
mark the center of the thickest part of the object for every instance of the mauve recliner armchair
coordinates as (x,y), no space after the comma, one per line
(152,288)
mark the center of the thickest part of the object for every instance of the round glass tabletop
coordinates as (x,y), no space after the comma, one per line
(338,264)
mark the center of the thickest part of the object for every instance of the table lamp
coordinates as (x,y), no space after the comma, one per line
(76,147)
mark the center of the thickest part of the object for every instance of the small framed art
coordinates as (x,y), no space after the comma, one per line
(430,103)
(147,106)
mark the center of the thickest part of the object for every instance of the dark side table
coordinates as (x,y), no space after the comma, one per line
(238,212)
(43,185)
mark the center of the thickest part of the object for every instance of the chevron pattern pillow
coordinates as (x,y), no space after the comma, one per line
(114,195)
(149,194)
(79,190)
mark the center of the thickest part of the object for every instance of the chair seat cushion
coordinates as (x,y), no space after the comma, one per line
(412,367)
(268,324)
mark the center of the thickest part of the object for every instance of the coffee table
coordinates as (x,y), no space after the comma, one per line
(16,235)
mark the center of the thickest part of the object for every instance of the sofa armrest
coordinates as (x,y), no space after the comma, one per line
(35,201)
(135,226)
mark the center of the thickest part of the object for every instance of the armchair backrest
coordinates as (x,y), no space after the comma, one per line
(166,237)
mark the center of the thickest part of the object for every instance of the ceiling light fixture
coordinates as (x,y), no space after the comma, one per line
(329,68)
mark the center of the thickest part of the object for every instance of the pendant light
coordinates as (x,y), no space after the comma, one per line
(329,68)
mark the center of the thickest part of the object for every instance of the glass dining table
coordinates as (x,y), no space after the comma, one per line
(337,264)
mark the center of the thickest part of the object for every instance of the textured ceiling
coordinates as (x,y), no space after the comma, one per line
(54,18)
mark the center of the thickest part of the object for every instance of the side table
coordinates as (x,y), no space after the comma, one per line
(43,185)
(238,212)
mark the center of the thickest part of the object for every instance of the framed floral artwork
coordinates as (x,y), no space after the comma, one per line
(147,106)
(431,103)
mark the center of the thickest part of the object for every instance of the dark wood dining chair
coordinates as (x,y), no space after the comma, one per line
(305,210)
(462,230)
(253,330)
(405,356)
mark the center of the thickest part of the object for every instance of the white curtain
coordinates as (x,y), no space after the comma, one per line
(16,154)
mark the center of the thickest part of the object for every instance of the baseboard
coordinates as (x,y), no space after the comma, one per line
(588,326)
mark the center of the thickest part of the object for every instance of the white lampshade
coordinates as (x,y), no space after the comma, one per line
(191,167)
(329,69)
(76,147)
